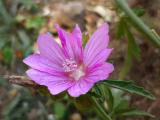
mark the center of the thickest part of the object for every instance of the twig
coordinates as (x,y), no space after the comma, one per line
(22,80)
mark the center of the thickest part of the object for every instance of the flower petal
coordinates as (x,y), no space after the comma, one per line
(58,87)
(66,41)
(77,39)
(71,42)
(49,48)
(55,84)
(101,57)
(80,87)
(97,43)
(43,64)
(99,72)
(77,34)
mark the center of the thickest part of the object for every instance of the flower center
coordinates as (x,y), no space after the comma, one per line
(74,71)
(78,73)
(69,65)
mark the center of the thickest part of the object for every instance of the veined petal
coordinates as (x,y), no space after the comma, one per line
(80,87)
(77,47)
(99,72)
(78,35)
(101,57)
(66,42)
(58,87)
(43,64)
(71,43)
(55,84)
(49,48)
(97,43)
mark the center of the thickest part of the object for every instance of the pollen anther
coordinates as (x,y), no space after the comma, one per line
(69,65)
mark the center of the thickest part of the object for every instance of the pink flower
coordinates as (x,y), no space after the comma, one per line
(69,67)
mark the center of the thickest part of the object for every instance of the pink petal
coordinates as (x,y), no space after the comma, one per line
(78,35)
(80,87)
(97,43)
(58,87)
(66,42)
(50,49)
(55,84)
(77,39)
(99,72)
(43,64)
(72,43)
(101,57)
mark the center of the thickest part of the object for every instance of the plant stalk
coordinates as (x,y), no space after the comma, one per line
(100,110)
(154,38)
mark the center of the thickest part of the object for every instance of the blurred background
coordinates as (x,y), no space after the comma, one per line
(22,20)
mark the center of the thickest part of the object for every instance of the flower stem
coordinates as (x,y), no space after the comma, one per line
(154,38)
(100,110)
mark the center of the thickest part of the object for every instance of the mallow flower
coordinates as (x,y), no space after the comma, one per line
(68,66)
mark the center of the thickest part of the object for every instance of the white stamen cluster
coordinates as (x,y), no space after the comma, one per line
(69,65)
(78,73)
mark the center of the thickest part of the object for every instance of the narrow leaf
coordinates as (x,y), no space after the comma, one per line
(127,66)
(136,112)
(139,11)
(129,87)
(120,29)
(132,45)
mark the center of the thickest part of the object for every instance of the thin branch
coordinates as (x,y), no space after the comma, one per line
(22,80)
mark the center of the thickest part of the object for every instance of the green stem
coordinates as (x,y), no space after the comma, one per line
(138,22)
(100,110)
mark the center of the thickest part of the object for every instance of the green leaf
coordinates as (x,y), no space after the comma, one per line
(133,48)
(59,109)
(136,112)
(139,11)
(127,66)
(122,105)
(110,99)
(133,51)
(120,29)
(35,22)
(98,90)
(24,38)
(129,87)
(8,54)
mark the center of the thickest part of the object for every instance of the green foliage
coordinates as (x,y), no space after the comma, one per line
(130,18)
(7,54)
(137,22)
(118,103)
(59,110)
(20,104)
(139,11)
(133,50)
(35,22)
(129,87)
(120,29)
(14,37)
